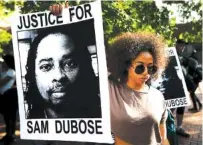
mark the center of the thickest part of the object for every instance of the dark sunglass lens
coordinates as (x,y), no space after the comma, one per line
(152,69)
(139,69)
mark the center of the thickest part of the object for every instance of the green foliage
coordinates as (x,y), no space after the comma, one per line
(131,16)
(115,18)
(5,38)
(187,10)
(122,16)
(6,9)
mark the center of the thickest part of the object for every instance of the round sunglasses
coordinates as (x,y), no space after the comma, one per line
(139,69)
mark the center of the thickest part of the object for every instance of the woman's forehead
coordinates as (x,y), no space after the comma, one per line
(144,57)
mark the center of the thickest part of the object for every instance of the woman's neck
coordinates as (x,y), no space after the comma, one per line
(136,87)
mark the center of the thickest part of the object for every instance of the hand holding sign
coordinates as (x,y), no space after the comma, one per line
(56,9)
(59,44)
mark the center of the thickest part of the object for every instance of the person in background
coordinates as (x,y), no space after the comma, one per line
(183,54)
(192,71)
(8,96)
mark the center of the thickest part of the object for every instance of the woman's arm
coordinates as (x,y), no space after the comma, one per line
(163,132)
(118,141)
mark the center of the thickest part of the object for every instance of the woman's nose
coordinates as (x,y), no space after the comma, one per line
(145,71)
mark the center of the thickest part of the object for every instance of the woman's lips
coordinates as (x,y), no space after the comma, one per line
(146,78)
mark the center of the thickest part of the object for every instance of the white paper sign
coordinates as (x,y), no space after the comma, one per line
(62,75)
(172,83)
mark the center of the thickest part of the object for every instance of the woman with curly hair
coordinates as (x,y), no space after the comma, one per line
(138,112)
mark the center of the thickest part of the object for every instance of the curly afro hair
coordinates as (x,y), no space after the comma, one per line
(126,47)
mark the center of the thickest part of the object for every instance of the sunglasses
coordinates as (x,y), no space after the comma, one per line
(139,69)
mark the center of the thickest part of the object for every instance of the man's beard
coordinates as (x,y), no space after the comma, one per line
(78,96)
(64,93)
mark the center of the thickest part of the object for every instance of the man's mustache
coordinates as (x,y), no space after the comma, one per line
(65,87)
(58,89)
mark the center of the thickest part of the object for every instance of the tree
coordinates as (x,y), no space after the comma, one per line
(7,9)
(125,16)
(187,10)
(122,16)
(134,16)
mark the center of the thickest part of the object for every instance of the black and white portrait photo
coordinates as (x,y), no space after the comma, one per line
(171,82)
(61,75)
(59,78)
(171,78)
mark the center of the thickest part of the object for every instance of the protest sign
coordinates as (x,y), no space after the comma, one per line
(172,83)
(62,75)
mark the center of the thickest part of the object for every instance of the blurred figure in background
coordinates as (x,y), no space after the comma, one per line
(192,75)
(191,69)
(8,97)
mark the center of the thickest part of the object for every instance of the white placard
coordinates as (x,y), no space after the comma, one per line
(172,83)
(62,85)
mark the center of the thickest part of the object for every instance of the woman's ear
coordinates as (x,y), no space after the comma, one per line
(128,63)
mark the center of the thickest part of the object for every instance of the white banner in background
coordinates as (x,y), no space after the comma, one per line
(172,83)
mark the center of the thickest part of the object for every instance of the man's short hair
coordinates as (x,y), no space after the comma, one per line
(180,41)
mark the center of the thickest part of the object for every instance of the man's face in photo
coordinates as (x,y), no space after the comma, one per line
(56,68)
